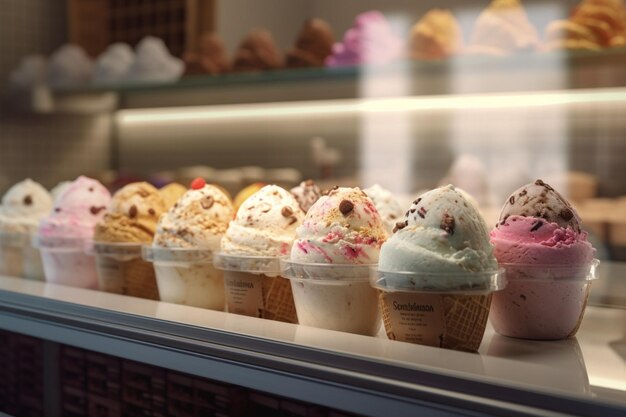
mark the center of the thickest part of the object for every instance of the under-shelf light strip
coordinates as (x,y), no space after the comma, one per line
(355,106)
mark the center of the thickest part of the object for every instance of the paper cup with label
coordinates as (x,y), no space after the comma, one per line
(334,296)
(121,268)
(187,276)
(445,310)
(66,262)
(255,287)
(542,301)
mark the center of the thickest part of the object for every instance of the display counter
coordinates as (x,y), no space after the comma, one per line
(585,375)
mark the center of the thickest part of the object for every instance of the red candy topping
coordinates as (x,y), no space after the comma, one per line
(197,183)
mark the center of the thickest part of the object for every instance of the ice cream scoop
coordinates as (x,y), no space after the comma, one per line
(306,193)
(315,42)
(549,264)
(77,210)
(265,224)
(442,232)
(370,41)
(153,62)
(132,214)
(171,193)
(69,66)
(23,206)
(342,227)
(113,64)
(386,204)
(209,58)
(437,35)
(198,220)
(257,52)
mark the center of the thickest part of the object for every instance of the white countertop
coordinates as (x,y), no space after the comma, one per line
(591,365)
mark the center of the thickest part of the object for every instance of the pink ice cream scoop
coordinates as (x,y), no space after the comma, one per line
(549,264)
(370,41)
(76,210)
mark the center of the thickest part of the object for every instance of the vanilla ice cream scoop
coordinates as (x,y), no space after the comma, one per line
(26,202)
(386,204)
(198,220)
(540,200)
(442,232)
(342,227)
(265,224)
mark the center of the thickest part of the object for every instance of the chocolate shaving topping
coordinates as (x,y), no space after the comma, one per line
(94,210)
(345,207)
(566,214)
(417,201)
(523,193)
(412,210)
(28,200)
(536,226)
(151,211)
(447,223)
(399,226)
(286,211)
(539,182)
(132,212)
(511,200)
(293,220)
(207,202)
(264,207)
(143,193)
(422,212)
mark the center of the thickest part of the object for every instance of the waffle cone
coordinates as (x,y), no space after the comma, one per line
(278,301)
(139,279)
(463,325)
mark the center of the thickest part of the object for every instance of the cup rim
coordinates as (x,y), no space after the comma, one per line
(114,249)
(59,244)
(480,282)
(305,271)
(268,265)
(556,272)
(161,254)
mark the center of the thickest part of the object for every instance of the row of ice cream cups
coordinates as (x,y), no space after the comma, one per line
(435,279)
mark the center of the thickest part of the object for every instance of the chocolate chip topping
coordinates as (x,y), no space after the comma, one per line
(566,214)
(132,212)
(422,212)
(286,211)
(90,189)
(536,226)
(151,211)
(417,201)
(143,193)
(511,200)
(57,210)
(540,182)
(523,193)
(447,223)
(264,207)
(93,209)
(293,220)
(28,200)
(345,207)
(207,202)
(400,226)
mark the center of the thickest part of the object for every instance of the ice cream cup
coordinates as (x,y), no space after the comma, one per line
(255,287)
(187,276)
(32,264)
(121,270)
(11,250)
(65,261)
(545,302)
(447,310)
(334,296)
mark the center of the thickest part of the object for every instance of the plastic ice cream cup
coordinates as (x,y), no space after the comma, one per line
(65,261)
(447,310)
(18,258)
(334,296)
(187,276)
(544,302)
(255,287)
(122,270)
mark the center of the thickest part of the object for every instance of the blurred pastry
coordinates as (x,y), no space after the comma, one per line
(171,193)
(257,52)
(209,58)
(503,28)
(245,193)
(371,41)
(593,25)
(436,36)
(314,44)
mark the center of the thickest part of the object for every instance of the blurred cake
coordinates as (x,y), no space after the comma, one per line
(503,28)
(257,52)
(315,42)
(209,58)
(437,35)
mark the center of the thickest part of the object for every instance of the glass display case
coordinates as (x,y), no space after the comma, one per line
(487,96)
